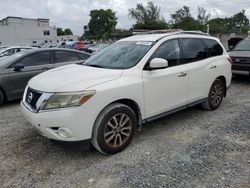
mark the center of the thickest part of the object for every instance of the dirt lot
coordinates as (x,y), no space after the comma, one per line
(192,148)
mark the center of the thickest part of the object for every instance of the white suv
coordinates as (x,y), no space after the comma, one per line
(131,82)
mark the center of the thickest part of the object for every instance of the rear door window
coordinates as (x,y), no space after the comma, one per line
(64,56)
(193,50)
(214,48)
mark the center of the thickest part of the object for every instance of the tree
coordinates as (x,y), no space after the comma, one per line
(180,14)
(188,23)
(147,17)
(68,31)
(218,25)
(60,31)
(240,21)
(202,16)
(182,19)
(102,23)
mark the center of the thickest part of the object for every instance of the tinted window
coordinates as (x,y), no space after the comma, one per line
(61,56)
(194,50)
(41,58)
(214,48)
(83,56)
(170,51)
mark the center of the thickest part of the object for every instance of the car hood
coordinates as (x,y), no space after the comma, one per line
(72,78)
(239,54)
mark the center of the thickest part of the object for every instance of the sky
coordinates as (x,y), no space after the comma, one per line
(74,14)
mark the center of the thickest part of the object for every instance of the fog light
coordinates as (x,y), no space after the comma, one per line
(64,133)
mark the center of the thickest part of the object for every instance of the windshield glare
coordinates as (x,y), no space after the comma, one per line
(120,55)
(244,45)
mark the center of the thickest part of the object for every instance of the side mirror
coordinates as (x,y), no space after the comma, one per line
(18,67)
(158,63)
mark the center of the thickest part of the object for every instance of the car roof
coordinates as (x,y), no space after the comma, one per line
(52,49)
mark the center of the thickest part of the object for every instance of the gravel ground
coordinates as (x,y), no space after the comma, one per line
(192,148)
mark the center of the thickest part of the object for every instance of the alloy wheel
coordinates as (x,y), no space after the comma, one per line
(216,95)
(117,130)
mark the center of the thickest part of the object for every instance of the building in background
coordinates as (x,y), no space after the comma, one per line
(26,31)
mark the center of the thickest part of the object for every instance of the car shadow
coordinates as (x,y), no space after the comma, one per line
(241,79)
(10,104)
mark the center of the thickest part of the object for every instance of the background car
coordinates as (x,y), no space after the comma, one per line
(240,56)
(16,70)
(97,48)
(10,50)
(78,45)
(91,48)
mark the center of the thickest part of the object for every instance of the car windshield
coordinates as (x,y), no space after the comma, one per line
(3,49)
(243,45)
(7,59)
(120,55)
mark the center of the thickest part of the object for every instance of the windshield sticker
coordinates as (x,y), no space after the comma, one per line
(144,43)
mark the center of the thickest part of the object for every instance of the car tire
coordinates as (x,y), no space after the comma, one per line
(215,96)
(1,98)
(114,128)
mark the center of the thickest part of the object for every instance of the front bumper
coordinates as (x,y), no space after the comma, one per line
(77,123)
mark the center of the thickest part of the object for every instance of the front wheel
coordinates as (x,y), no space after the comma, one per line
(215,95)
(114,128)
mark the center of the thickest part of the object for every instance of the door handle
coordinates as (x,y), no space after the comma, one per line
(182,74)
(213,67)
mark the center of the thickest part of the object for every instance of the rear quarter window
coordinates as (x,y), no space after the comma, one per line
(214,48)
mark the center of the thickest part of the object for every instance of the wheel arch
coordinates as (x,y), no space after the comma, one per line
(130,103)
(223,79)
(134,106)
(4,94)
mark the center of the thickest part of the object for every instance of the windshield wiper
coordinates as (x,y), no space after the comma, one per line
(93,65)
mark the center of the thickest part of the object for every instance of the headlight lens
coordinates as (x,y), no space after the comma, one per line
(64,100)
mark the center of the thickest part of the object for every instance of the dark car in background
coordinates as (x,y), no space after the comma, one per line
(18,69)
(240,56)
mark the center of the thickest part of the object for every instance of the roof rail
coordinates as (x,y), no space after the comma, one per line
(170,31)
(195,33)
(144,32)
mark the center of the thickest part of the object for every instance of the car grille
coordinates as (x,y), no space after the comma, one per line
(32,97)
(242,60)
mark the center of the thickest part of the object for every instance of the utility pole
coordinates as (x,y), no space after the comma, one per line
(208,28)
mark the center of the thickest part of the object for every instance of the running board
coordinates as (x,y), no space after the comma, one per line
(159,116)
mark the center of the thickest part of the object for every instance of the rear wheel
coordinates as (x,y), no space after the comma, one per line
(1,98)
(215,96)
(114,129)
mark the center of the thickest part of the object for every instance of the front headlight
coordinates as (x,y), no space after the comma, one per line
(67,99)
